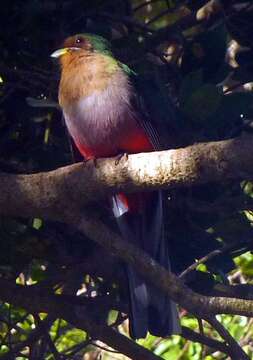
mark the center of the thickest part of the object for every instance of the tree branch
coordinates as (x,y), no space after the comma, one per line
(161,278)
(47,194)
(36,300)
(235,350)
(202,339)
(61,195)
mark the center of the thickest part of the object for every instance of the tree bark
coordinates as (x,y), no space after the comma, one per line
(73,186)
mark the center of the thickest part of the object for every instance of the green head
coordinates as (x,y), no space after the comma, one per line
(84,42)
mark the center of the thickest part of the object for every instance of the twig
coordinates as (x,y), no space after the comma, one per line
(36,300)
(248,336)
(184,350)
(204,259)
(144,4)
(157,17)
(233,204)
(32,338)
(104,348)
(70,352)
(226,248)
(44,327)
(201,327)
(236,352)
(195,337)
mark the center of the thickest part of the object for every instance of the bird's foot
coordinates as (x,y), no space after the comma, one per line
(121,156)
(95,162)
(93,159)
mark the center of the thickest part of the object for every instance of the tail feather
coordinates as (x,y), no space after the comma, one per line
(150,309)
(138,316)
(163,315)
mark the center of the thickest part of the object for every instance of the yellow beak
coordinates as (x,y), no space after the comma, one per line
(63,51)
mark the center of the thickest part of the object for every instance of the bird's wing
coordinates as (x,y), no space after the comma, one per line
(157,114)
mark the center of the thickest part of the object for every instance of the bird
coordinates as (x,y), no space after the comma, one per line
(106,116)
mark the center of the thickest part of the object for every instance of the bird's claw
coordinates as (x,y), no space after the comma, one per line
(94,161)
(119,157)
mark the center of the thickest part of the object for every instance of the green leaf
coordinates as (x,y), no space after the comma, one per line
(112,317)
(148,342)
(202,103)
(162,347)
(172,354)
(37,223)
(245,262)
(190,84)
(70,338)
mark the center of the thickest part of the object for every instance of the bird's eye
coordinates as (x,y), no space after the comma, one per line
(79,40)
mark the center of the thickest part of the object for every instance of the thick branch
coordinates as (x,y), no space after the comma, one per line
(48,194)
(199,305)
(60,195)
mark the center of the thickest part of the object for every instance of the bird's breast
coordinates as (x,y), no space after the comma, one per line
(104,123)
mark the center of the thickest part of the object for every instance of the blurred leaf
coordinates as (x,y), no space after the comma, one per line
(112,317)
(163,347)
(202,103)
(172,354)
(148,342)
(245,262)
(191,83)
(248,188)
(37,223)
(70,338)
(190,322)
(37,272)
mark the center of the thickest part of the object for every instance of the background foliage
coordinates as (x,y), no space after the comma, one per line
(197,52)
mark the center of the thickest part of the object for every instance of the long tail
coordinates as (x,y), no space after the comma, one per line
(150,309)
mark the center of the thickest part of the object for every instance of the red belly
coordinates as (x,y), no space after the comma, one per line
(133,143)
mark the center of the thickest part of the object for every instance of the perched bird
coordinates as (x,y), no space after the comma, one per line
(106,116)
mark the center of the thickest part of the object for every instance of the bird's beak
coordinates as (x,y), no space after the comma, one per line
(63,51)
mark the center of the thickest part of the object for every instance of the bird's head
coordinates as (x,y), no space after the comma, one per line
(81,45)
(87,65)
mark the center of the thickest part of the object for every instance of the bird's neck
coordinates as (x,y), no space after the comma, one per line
(84,75)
